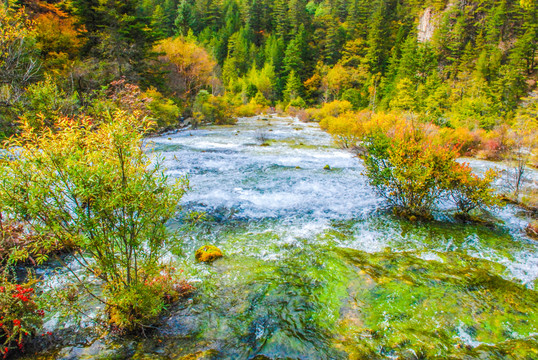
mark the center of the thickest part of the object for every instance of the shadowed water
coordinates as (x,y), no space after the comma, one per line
(316,268)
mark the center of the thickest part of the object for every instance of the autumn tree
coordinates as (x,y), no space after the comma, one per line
(338,80)
(57,40)
(190,67)
(18,61)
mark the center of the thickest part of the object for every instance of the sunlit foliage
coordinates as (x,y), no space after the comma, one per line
(190,66)
(94,187)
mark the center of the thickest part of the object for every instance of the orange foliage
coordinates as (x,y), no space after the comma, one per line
(56,35)
(191,67)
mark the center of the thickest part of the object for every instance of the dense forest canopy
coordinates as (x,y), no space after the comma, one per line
(457,63)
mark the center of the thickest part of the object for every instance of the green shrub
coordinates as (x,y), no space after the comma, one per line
(298,103)
(163,110)
(96,188)
(413,172)
(45,100)
(355,98)
(259,99)
(469,191)
(213,109)
(149,298)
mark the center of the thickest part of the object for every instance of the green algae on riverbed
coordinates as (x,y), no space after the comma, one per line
(435,308)
(316,268)
(316,298)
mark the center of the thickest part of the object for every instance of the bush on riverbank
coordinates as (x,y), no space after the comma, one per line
(20,316)
(500,143)
(212,109)
(413,171)
(95,187)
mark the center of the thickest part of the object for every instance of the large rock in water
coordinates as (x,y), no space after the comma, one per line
(532,230)
(208,253)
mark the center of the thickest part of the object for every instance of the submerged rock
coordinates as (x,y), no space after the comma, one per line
(532,229)
(208,253)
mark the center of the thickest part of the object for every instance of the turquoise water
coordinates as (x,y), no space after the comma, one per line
(316,267)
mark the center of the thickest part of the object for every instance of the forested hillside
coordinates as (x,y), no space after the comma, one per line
(457,63)
(461,62)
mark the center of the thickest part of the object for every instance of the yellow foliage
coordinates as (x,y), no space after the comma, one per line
(191,67)
(56,37)
(17,67)
(346,129)
(338,79)
(334,108)
(250,109)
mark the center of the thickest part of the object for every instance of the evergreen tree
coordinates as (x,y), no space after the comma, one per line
(378,35)
(294,87)
(293,58)
(91,16)
(170,13)
(334,42)
(297,15)
(281,20)
(158,23)
(184,18)
(254,20)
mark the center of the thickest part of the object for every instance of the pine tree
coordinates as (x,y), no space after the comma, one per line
(170,14)
(184,19)
(281,20)
(334,42)
(158,23)
(297,15)
(254,20)
(293,58)
(378,35)
(91,16)
(407,64)
(294,87)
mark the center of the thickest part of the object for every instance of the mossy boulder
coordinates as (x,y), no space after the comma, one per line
(208,253)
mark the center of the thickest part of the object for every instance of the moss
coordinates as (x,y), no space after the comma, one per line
(411,303)
(202,355)
(208,253)
(418,297)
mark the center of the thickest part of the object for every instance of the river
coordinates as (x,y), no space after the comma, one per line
(316,267)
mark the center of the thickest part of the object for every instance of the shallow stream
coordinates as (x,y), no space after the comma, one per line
(316,267)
